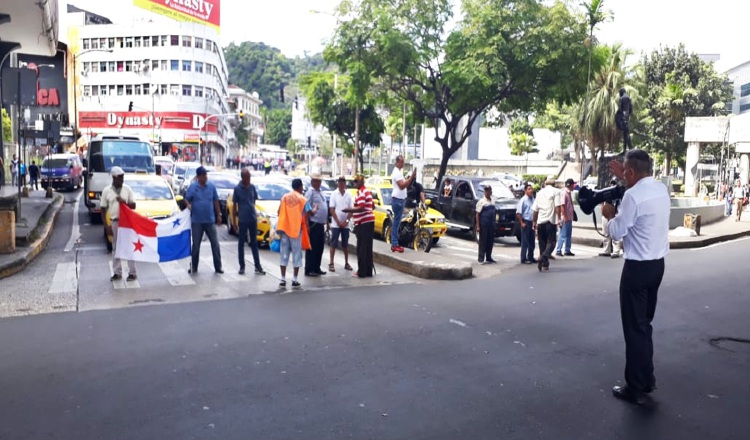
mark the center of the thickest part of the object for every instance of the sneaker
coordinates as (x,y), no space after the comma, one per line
(132,277)
(480,262)
(311,274)
(242,271)
(559,254)
(219,271)
(570,254)
(282,283)
(259,271)
(296,285)
(397,249)
(115,277)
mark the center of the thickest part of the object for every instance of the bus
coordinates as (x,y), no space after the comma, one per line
(130,153)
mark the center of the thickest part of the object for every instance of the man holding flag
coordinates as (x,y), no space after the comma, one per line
(112,196)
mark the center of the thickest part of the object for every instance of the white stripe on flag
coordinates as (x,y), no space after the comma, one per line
(131,246)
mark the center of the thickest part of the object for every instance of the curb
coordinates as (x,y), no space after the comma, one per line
(36,247)
(674,244)
(421,269)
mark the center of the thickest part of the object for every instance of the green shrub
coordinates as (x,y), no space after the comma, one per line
(535,179)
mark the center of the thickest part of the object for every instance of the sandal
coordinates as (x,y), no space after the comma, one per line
(331,268)
(347,267)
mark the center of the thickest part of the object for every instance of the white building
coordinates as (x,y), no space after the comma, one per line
(302,127)
(160,79)
(249,104)
(739,76)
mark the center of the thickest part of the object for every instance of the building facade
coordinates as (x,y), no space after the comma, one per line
(166,83)
(739,76)
(249,104)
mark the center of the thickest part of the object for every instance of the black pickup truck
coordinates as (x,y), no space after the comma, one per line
(459,204)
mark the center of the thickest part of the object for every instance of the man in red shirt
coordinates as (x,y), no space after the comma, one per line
(364,227)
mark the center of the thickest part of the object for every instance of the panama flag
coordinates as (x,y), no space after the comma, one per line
(154,241)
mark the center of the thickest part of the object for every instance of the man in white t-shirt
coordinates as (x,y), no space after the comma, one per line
(340,200)
(110,202)
(400,185)
(547,207)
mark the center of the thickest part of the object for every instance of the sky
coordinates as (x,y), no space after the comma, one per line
(714,27)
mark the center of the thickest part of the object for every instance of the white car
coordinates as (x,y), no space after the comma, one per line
(508,180)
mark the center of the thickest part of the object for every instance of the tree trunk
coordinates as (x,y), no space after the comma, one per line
(446,156)
(668,163)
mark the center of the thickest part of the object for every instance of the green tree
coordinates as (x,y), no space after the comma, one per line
(522,140)
(506,54)
(679,84)
(278,126)
(262,68)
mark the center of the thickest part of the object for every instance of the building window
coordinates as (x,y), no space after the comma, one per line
(137,42)
(163,90)
(146,41)
(198,67)
(198,43)
(174,65)
(174,40)
(187,66)
(155,41)
(103,66)
(164,65)
(745,90)
(103,90)
(187,41)
(187,90)
(128,42)
(744,108)
(112,90)
(111,43)
(128,66)
(86,90)
(174,90)
(94,90)
(103,43)
(154,64)
(128,90)
(94,67)
(86,44)
(94,43)
(111,66)
(137,89)
(198,92)
(120,90)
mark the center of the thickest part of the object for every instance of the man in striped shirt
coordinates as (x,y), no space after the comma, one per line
(364,227)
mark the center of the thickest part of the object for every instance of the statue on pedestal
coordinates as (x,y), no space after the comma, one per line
(621,119)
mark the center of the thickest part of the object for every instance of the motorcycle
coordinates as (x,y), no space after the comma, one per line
(411,231)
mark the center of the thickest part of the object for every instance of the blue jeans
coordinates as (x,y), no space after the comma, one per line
(245,227)
(566,236)
(397,205)
(527,241)
(197,231)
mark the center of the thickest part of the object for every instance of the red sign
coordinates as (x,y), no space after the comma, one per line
(134,120)
(206,12)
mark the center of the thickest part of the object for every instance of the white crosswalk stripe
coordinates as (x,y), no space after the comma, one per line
(65,279)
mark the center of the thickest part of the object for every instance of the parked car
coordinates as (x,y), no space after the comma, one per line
(459,206)
(381,197)
(62,171)
(267,208)
(154,199)
(513,182)
(166,163)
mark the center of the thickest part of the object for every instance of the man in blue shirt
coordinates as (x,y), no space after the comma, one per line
(317,200)
(244,198)
(525,217)
(202,200)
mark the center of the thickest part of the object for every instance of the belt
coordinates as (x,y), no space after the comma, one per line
(114,220)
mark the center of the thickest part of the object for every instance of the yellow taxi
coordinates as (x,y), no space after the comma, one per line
(434,220)
(270,193)
(153,198)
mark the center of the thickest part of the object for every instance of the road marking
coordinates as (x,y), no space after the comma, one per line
(122,284)
(65,279)
(720,244)
(75,232)
(176,273)
(457,322)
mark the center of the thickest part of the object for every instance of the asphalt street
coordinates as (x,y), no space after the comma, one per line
(522,355)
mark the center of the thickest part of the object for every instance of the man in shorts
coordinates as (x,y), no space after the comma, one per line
(340,200)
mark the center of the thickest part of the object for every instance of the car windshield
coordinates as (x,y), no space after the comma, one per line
(179,170)
(387,195)
(271,191)
(499,191)
(191,172)
(224,181)
(56,163)
(149,189)
(131,156)
(166,167)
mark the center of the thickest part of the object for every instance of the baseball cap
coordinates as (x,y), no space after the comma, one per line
(201,171)
(570,182)
(117,171)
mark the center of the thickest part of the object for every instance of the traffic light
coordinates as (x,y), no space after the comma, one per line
(130,106)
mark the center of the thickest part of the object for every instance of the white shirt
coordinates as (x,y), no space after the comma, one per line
(642,221)
(340,202)
(545,202)
(397,175)
(109,200)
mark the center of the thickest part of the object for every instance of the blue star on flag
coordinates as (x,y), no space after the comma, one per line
(176,223)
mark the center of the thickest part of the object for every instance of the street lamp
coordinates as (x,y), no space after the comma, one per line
(75,88)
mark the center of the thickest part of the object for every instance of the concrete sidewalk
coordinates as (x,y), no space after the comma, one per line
(723,230)
(33,229)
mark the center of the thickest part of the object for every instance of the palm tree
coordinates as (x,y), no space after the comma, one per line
(673,102)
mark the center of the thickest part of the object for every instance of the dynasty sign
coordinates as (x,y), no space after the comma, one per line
(207,12)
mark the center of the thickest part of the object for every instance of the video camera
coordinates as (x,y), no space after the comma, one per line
(589,199)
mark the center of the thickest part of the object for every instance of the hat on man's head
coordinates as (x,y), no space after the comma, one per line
(359,177)
(550,180)
(296,183)
(201,171)
(316,176)
(116,171)
(570,182)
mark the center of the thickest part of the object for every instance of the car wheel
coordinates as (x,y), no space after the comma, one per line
(387,232)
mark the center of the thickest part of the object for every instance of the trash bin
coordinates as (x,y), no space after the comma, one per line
(692,221)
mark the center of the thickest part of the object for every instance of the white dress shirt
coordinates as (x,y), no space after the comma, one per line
(398,192)
(109,199)
(642,221)
(545,202)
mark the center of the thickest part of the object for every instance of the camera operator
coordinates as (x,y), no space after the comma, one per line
(643,224)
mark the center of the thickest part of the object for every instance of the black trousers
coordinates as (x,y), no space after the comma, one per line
(639,285)
(365,233)
(547,233)
(486,241)
(314,256)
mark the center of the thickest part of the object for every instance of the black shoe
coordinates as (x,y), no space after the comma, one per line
(192,271)
(296,284)
(311,274)
(605,254)
(282,283)
(259,271)
(242,271)
(559,254)
(320,272)
(627,394)
(525,261)
(219,271)
(552,257)
(570,254)
(491,261)
(131,277)
(539,265)
(115,277)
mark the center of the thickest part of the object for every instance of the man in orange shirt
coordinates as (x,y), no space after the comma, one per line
(289,228)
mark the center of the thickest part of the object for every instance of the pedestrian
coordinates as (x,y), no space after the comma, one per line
(22,172)
(525,218)
(14,171)
(202,200)
(398,196)
(730,199)
(244,197)
(547,207)
(739,195)
(364,227)
(291,230)
(414,198)
(340,200)
(34,176)
(317,227)
(567,214)
(486,214)
(111,198)
(267,167)
(642,222)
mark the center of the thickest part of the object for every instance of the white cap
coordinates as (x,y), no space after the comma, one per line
(117,171)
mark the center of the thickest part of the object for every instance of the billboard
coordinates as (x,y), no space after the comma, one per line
(207,12)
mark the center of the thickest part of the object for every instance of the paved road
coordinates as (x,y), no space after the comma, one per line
(519,356)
